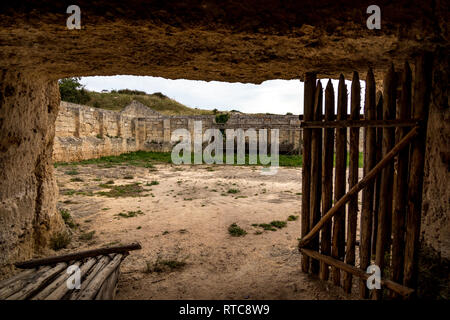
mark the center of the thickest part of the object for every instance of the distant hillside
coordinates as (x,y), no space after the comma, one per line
(117,100)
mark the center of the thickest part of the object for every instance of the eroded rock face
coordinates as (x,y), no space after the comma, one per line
(28,192)
(245,41)
(436,197)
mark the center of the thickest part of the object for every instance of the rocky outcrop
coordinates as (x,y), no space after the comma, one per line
(28,191)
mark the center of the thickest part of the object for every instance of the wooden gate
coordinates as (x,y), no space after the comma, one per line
(341,236)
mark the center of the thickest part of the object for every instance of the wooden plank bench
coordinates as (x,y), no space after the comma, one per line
(46,278)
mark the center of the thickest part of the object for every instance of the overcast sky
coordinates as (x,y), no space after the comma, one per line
(273,96)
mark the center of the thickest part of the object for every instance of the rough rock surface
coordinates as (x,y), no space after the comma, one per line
(245,41)
(28,192)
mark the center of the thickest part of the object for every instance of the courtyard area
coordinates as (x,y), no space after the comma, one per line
(207,231)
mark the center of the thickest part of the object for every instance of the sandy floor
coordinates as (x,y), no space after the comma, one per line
(186,218)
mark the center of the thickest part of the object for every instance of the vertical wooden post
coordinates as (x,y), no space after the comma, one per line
(308,106)
(368,193)
(338,242)
(327,178)
(422,91)
(399,214)
(385,214)
(316,174)
(378,152)
(352,180)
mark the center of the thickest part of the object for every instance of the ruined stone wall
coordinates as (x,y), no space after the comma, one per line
(84,132)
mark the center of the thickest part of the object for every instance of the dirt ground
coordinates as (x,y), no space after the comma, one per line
(184,217)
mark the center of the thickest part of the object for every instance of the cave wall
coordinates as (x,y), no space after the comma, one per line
(435,226)
(28,191)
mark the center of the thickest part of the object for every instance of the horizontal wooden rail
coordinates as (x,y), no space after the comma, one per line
(360,123)
(394,286)
(77,256)
(371,175)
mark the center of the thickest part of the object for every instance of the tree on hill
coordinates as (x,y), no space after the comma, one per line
(72,90)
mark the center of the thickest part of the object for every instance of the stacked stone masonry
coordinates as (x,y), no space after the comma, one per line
(84,132)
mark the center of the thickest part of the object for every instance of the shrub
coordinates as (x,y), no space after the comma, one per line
(235,231)
(60,240)
(164,266)
(222,118)
(67,218)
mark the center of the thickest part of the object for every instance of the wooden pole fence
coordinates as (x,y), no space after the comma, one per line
(371,175)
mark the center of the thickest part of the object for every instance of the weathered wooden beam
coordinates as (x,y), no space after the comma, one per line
(422,92)
(368,192)
(38,283)
(77,255)
(338,242)
(94,286)
(62,290)
(401,185)
(308,105)
(327,179)
(352,211)
(378,158)
(387,175)
(361,123)
(371,175)
(89,275)
(398,288)
(316,174)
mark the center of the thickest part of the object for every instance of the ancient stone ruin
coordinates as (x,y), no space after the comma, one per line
(84,132)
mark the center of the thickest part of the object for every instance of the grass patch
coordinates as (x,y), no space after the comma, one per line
(278,224)
(72,172)
(233,191)
(68,220)
(292,218)
(267,227)
(86,236)
(76,179)
(60,241)
(127,190)
(160,266)
(152,183)
(130,214)
(235,231)
(128,177)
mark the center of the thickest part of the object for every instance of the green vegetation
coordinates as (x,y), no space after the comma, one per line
(118,100)
(76,179)
(235,231)
(72,90)
(233,191)
(127,190)
(72,172)
(60,240)
(147,158)
(68,220)
(272,226)
(86,236)
(292,218)
(278,224)
(164,266)
(130,214)
(222,118)
(267,226)
(152,183)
